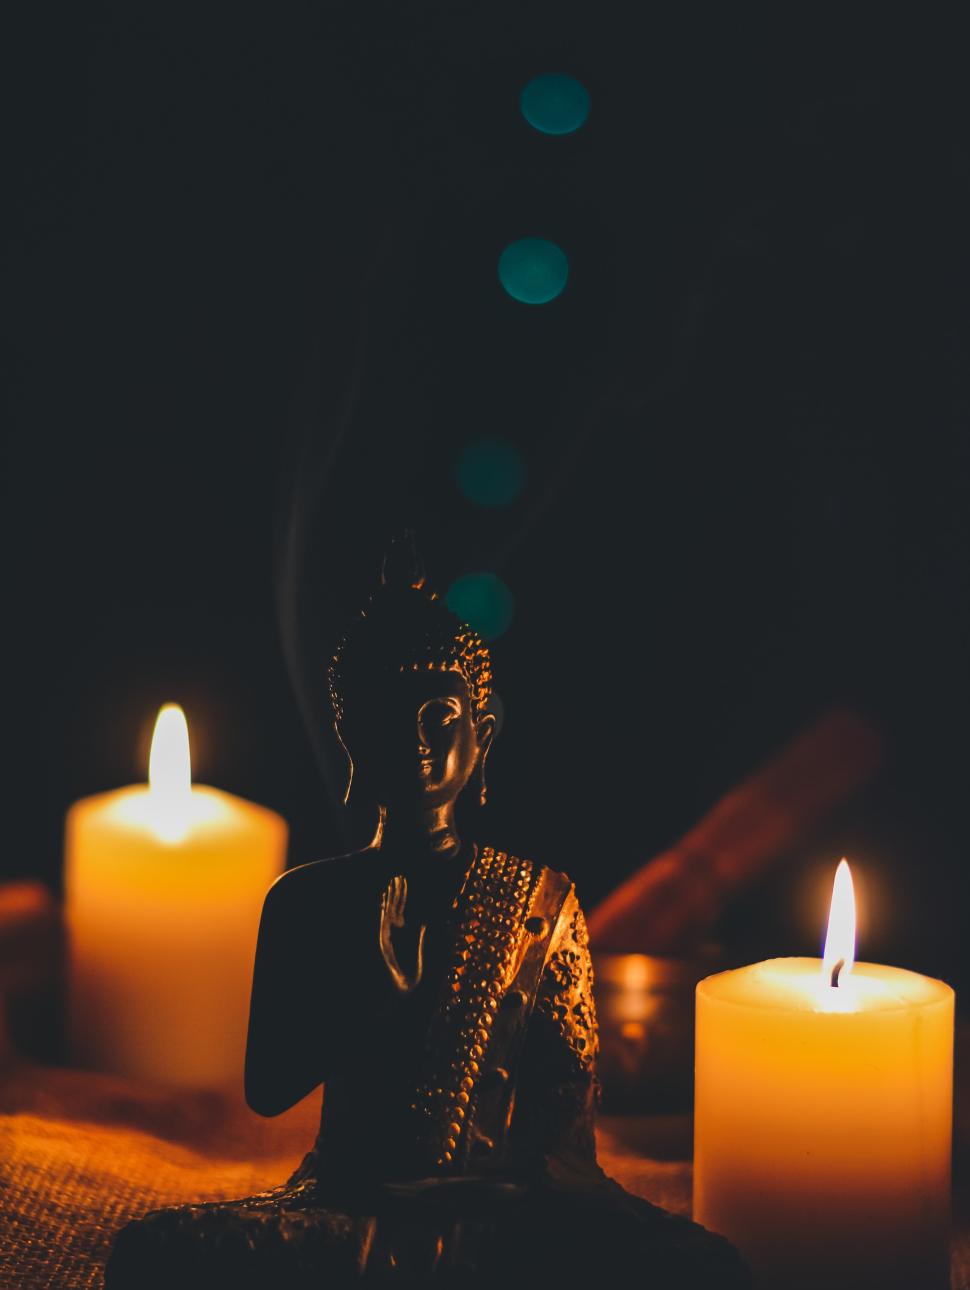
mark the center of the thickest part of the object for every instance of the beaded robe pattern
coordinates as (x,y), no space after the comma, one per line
(566,992)
(493,905)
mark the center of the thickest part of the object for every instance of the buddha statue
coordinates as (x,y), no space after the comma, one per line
(441,990)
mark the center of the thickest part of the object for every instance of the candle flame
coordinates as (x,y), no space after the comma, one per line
(839,954)
(170,773)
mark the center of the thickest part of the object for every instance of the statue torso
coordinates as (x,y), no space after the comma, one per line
(486,1064)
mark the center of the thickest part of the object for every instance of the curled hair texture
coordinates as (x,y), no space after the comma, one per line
(406,627)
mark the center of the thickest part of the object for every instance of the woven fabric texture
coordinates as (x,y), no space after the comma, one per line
(81,1154)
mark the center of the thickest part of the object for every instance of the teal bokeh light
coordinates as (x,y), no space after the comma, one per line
(533,270)
(483,601)
(555,103)
(491,472)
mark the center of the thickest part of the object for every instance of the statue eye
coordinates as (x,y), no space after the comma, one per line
(440,712)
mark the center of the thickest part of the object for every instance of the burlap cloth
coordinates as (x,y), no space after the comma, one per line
(81,1154)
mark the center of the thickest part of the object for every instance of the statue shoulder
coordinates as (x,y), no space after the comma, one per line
(487,854)
(327,877)
(560,878)
(559,889)
(550,879)
(317,933)
(551,898)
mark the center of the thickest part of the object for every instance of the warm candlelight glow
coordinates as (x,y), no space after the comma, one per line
(823,1117)
(170,762)
(164,884)
(839,953)
(170,808)
(170,774)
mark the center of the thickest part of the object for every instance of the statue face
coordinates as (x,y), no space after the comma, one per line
(416,743)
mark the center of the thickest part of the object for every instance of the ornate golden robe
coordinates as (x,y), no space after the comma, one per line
(456,1143)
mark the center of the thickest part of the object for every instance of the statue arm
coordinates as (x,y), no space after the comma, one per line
(557,1085)
(565,995)
(284,1053)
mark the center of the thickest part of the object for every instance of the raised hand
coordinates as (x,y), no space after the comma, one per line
(393,903)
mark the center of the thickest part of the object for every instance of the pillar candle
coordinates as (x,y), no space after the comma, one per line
(164,884)
(823,1111)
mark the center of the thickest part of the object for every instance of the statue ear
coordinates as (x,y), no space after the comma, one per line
(485,734)
(350,763)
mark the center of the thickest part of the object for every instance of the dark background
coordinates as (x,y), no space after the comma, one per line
(251,319)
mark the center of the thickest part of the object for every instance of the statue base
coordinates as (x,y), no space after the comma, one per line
(466,1232)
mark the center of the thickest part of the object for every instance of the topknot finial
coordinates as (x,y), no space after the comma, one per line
(399,630)
(403,566)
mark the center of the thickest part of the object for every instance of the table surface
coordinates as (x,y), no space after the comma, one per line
(81,1153)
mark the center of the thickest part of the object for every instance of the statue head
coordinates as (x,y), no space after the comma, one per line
(410,685)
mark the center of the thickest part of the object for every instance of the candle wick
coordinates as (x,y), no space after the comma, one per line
(836,970)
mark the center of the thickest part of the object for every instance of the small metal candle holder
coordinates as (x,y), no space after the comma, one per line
(645,1009)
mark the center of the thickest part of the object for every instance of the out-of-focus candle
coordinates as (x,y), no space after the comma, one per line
(164,885)
(823,1113)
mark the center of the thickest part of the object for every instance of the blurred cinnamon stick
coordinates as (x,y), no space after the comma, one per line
(678,896)
(31,938)
(29,935)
